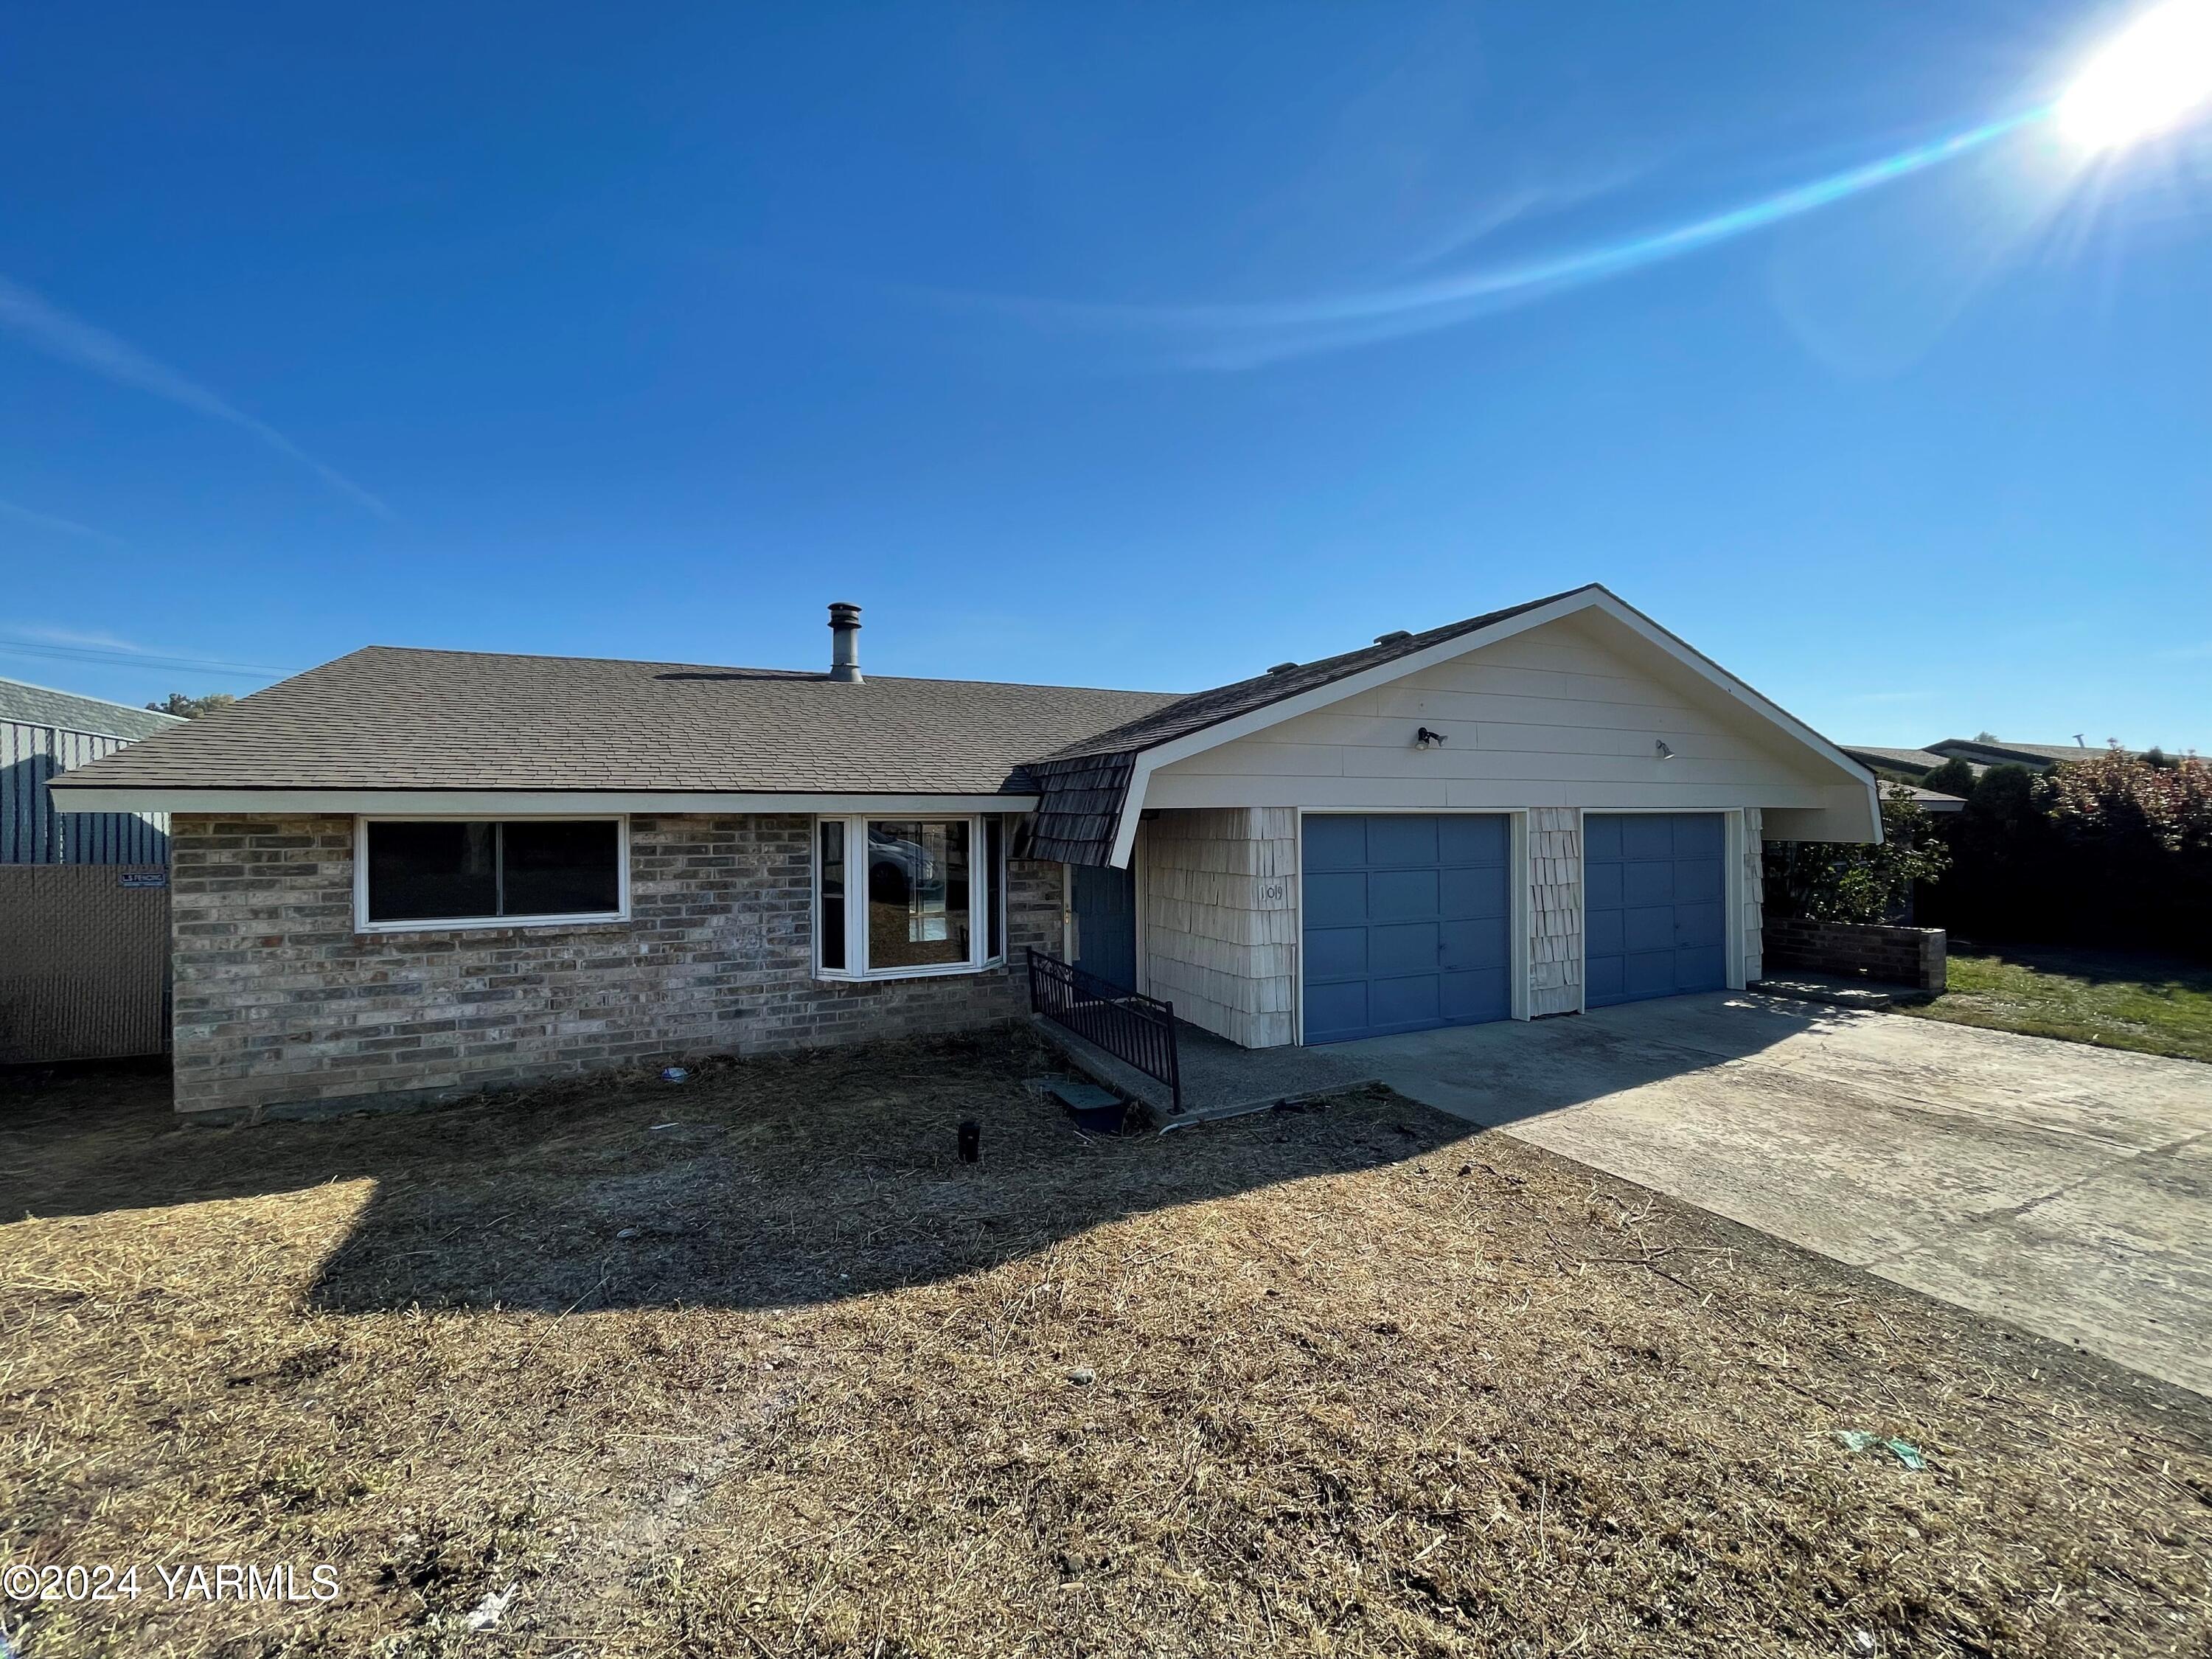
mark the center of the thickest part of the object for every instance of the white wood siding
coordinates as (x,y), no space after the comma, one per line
(1567,715)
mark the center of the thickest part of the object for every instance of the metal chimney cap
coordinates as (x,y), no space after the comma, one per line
(845,641)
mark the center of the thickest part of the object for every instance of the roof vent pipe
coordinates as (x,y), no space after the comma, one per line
(845,641)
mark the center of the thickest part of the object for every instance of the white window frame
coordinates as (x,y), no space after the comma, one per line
(856,895)
(448,924)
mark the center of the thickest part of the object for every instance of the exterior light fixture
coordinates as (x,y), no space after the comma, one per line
(1425,739)
(1665,753)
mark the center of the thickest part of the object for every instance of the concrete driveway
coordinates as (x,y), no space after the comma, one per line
(2066,1188)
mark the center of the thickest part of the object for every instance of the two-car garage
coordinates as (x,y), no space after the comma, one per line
(1409,917)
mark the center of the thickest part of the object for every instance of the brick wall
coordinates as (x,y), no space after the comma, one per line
(1889,956)
(279,1003)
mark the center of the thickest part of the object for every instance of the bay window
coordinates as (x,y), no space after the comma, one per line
(896,897)
(412,874)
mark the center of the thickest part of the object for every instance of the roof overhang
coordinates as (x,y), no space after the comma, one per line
(507,802)
(1582,599)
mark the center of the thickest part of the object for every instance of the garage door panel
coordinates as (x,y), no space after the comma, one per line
(1336,953)
(1408,922)
(1402,840)
(1706,965)
(1473,840)
(1648,883)
(1473,999)
(1699,923)
(1647,836)
(1336,901)
(1654,905)
(1601,885)
(1405,1004)
(1697,835)
(1333,843)
(1474,943)
(1401,894)
(1648,927)
(1403,948)
(1604,980)
(1337,1011)
(1698,881)
(1473,893)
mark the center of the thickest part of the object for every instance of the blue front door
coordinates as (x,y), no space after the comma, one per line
(1654,905)
(1407,923)
(1106,924)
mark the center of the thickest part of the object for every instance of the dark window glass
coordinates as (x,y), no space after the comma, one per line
(994,875)
(833,895)
(559,869)
(918,894)
(441,870)
(427,872)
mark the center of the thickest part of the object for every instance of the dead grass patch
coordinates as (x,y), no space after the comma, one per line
(1358,1382)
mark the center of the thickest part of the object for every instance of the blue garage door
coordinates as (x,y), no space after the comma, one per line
(1654,905)
(1406,924)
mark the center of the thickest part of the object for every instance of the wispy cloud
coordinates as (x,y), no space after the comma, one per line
(60,527)
(1246,336)
(78,645)
(54,331)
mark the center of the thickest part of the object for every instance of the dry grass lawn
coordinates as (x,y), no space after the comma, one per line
(786,1378)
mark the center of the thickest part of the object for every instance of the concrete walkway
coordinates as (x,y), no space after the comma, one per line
(2064,1188)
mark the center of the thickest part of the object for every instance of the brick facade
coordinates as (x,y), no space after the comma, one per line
(1918,956)
(280,1006)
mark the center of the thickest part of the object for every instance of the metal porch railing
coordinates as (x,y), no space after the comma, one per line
(1136,1029)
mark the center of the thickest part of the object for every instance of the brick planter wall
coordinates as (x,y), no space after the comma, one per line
(280,1006)
(1890,956)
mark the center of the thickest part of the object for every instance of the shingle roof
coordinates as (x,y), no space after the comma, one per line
(1905,760)
(2049,753)
(385,717)
(1182,716)
(41,705)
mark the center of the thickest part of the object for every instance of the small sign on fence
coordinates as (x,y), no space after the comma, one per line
(146,878)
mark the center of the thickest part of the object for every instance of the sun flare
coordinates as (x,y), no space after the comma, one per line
(2152,77)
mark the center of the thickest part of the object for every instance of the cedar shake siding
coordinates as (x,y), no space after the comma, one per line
(1221,920)
(281,1006)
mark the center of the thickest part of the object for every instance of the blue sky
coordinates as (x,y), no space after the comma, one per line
(1128,345)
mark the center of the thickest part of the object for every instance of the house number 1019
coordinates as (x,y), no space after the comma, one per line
(1274,892)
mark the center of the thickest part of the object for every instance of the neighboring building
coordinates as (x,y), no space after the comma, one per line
(44,733)
(1899,764)
(1982,754)
(411,874)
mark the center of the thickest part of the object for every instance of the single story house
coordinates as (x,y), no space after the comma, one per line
(417,873)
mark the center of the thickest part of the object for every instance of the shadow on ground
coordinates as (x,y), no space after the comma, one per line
(765,1183)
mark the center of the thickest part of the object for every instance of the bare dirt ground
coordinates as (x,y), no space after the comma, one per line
(754,1365)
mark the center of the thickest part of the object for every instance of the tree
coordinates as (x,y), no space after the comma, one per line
(191,709)
(1953,777)
(1846,881)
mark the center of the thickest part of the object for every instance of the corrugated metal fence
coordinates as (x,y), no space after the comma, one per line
(84,961)
(32,832)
